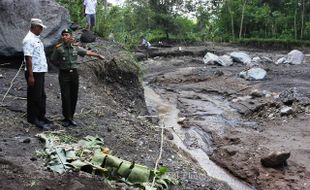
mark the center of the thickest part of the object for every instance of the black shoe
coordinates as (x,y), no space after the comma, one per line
(72,123)
(40,124)
(45,126)
(46,121)
(66,123)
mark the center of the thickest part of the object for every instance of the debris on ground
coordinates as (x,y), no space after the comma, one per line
(89,155)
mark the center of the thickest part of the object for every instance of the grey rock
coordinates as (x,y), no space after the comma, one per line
(253,74)
(15,18)
(267,59)
(212,59)
(281,60)
(256,93)
(286,110)
(181,120)
(256,59)
(226,59)
(241,57)
(275,159)
(169,135)
(27,140)
(295,57)
(288,96)
(87,37)
(74,26)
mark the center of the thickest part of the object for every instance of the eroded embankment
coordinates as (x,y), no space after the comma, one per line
(110,103)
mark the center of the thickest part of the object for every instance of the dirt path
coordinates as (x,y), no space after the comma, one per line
(243,127)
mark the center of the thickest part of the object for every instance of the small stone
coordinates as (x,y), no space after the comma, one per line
(231,150)
(286,110)
(169,135)
(181,120)
(27,140)
(275,159)
(256,93)
(1,76)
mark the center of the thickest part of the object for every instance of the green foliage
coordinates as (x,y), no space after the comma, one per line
(273,43)
(75,9)
(215,20)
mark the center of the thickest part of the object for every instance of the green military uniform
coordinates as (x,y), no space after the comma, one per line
(66,55)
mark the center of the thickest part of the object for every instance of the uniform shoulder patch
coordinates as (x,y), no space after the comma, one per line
(58,45)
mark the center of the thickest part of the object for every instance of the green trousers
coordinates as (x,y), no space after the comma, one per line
(69,87)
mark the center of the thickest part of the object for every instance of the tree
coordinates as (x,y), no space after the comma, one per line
(302,19)
(242,18)
(229,6)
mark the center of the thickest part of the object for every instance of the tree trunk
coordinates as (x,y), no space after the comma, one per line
(242,17)
(295,19)
(231,19)
(167,35)
(302,19)
(105,4)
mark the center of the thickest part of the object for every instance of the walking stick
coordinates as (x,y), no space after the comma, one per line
(12,82)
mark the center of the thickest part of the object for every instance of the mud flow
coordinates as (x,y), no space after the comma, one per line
(194,141)
(228,124)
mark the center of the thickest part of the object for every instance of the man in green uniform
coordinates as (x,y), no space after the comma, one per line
(65,55)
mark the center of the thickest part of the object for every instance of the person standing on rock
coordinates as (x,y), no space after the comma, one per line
(146,45)
(65,55)
(90,13)
(36,67)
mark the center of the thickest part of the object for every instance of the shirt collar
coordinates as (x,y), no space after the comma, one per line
(67,45)
(33,35)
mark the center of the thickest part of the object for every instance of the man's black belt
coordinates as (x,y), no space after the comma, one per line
(67,70)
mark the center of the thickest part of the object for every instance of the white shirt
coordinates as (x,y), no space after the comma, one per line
(33,47)
(90,6)
(145,43)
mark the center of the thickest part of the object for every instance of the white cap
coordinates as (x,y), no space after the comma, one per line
(36,21)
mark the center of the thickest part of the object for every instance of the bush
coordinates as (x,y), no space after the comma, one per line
(273,43)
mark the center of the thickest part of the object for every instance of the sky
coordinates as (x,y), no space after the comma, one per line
(116,2)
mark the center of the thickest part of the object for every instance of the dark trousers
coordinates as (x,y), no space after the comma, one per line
(36,98)
(69,87)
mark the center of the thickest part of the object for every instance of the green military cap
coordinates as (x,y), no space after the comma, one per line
(67,30)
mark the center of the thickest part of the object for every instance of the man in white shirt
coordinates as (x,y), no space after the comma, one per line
(36,67)
(90,13)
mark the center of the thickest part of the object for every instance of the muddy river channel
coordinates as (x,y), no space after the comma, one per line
(226,124)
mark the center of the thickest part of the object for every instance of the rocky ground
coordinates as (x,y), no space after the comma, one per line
(245,119)
(110,102)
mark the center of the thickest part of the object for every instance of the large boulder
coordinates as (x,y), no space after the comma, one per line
(15,18)
(253,74)
(295,57)
(241,57)
(87,37)
(212,59)
(275,159)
